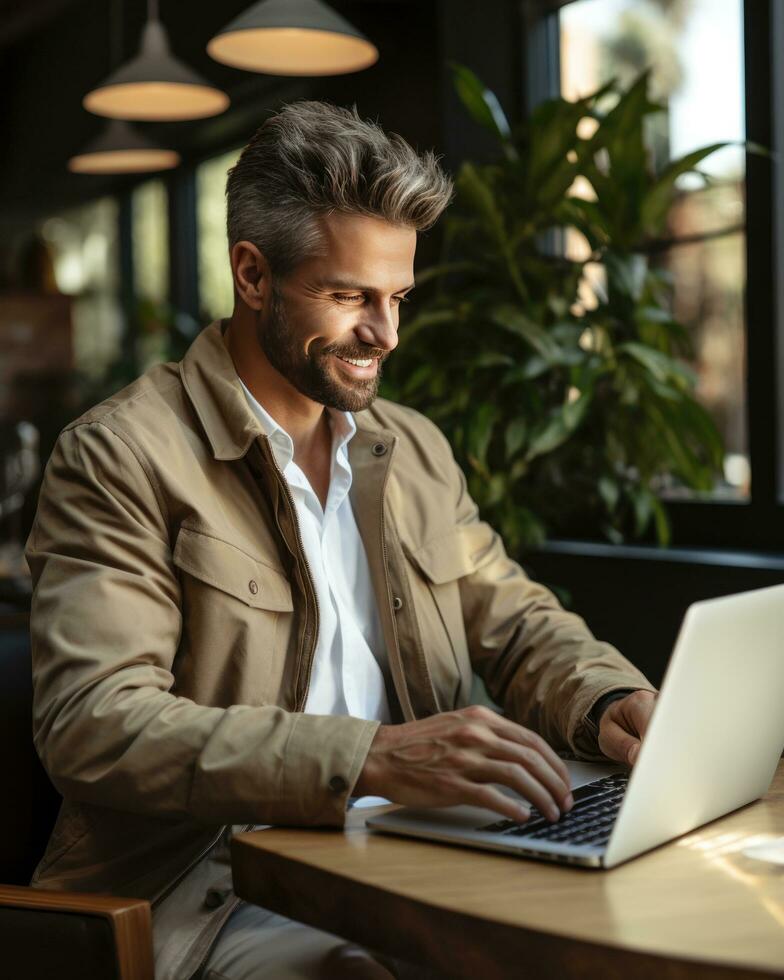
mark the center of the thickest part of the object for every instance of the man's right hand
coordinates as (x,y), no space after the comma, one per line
(453,758)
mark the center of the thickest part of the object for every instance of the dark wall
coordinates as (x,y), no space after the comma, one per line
(635,598)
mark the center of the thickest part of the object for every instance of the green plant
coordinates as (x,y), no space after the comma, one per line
(566,415)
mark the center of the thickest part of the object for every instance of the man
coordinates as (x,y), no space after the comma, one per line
(261,591)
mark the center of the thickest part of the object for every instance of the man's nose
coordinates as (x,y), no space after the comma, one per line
(379,329)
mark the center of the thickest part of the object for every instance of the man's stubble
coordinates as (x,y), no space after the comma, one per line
(310,373)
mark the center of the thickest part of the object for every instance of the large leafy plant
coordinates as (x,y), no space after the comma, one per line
(567,411)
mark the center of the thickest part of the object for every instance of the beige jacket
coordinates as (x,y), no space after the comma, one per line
(174,622)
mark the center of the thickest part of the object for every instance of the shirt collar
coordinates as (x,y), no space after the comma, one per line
(342,425)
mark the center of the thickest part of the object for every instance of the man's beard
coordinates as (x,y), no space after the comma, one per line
(310,373)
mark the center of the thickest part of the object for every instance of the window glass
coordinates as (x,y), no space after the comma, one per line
(150,217)
(216,290)
(150,243)
(83,243)
(695,51)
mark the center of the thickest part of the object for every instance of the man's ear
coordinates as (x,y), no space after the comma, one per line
(251,274)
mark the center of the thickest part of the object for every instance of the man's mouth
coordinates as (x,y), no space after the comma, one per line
(364,362)
(358,367)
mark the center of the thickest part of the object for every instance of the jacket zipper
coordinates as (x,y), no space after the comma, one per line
(188,867)
(196,968)
(308,658)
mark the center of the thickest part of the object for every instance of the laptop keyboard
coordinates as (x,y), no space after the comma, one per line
(589,821)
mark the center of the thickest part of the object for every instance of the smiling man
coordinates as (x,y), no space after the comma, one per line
(260,590)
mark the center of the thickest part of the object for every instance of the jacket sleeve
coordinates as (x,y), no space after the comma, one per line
(538,661)
(105,627)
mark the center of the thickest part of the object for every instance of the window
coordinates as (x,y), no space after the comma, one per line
(150,237)
(149,205)
(84,245)
(216,288)
(695,51)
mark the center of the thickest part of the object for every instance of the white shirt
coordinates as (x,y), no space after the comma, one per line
(346,678)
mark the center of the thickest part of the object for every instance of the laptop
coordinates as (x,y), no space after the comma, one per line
(712,745)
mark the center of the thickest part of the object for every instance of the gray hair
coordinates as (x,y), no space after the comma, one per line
(313,158)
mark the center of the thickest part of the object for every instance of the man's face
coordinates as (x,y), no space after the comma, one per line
(344,304)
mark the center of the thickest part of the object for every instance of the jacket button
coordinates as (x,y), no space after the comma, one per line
(216,897)
(253,587)
(397,602)
(338,784)
(378,449)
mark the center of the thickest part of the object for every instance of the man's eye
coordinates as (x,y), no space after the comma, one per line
(401,299)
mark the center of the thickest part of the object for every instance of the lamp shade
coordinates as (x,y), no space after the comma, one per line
(292,37)
(155,86)
(120,149)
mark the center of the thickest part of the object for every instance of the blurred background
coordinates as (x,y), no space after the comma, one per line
(104,273)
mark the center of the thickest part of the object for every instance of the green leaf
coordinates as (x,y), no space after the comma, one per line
(514,437)
(555,124)
(662,522)
(489,358)
(534,367)
(643,508)
(558,427)
(663,367)
(626,273)
(431,318)
(445,268)
(417,378)
(479,432)
(609,491)
(496,489)
(516,322)
(482,104)
(657,201)
(518,470)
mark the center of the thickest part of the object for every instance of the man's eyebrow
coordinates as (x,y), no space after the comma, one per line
(351,284)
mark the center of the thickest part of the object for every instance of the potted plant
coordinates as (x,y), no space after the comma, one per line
(567,416)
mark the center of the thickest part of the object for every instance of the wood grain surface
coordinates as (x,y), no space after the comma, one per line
(696,907)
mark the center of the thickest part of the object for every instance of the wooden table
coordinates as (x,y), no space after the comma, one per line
(695,908)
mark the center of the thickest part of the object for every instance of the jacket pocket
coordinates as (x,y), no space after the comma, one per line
(226,567)
(440,563)
(237,614)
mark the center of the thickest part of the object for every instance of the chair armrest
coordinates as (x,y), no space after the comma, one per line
(128,921)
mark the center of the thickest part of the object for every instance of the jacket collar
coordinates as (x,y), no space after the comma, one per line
(214,388)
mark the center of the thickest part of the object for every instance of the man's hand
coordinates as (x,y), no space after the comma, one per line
(623,725)
(452,758)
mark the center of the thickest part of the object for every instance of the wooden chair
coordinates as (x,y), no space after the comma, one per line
(46,934)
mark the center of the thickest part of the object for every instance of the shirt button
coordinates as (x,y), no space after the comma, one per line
(397,603)
(338,784)
(378,449)
(253,587)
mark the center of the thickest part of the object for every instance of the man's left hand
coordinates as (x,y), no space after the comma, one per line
(623,724)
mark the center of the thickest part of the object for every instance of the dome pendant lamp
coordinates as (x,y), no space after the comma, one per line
(292,37)
(121,149)
(155,86)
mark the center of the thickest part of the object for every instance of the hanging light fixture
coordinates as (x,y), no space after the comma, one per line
(155,86)
(292,37)
(121,149)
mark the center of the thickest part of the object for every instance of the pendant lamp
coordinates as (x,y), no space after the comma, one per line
(155,86)
(122,149)
(292,37)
